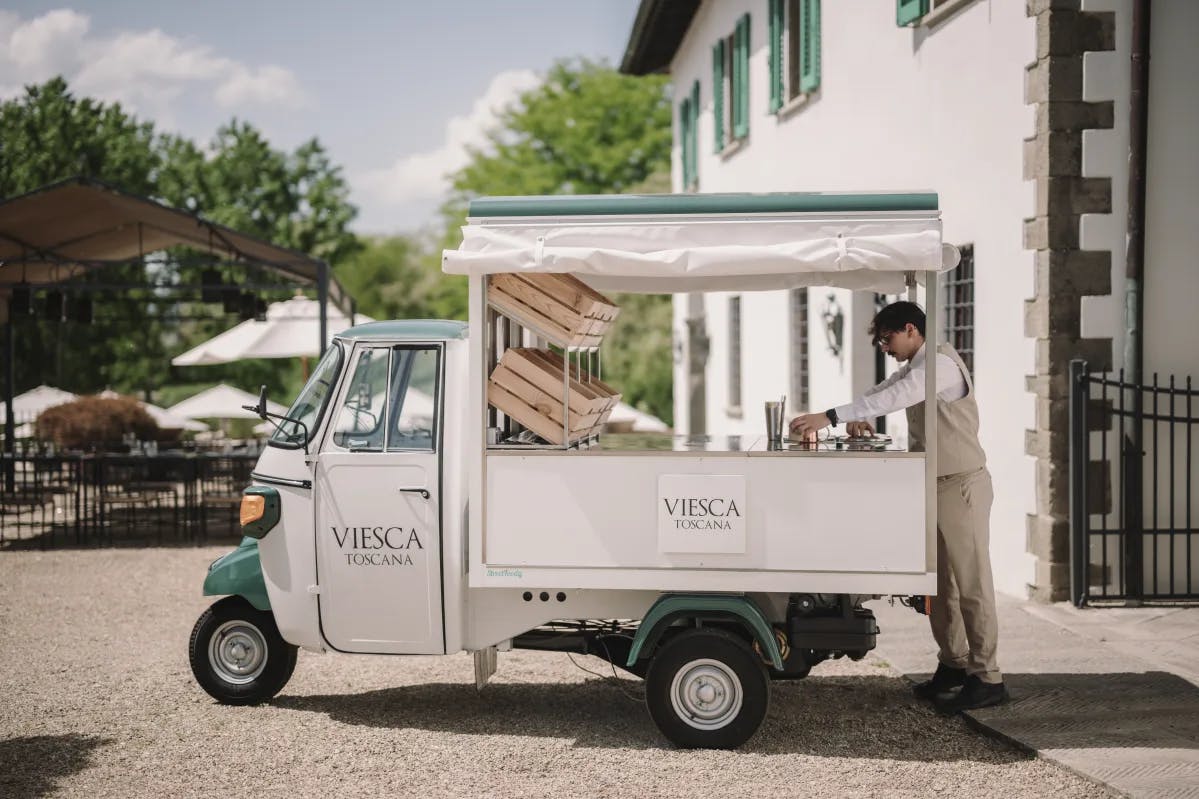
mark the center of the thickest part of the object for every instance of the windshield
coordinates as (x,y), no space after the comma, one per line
(310,405)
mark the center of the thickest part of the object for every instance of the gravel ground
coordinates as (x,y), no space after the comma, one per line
(97,699)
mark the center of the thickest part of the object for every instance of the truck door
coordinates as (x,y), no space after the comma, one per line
(378,509)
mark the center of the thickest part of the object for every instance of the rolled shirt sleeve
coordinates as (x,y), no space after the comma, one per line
(904,389)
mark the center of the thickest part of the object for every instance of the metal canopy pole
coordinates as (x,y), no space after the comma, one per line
(931,336)
(10,425)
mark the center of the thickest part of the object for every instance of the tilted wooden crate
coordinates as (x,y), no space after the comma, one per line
(560,308)
(528,385)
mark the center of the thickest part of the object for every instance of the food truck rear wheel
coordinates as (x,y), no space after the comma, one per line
(237,654)
(707,689)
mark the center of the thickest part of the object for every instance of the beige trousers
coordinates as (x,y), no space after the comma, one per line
(962,614)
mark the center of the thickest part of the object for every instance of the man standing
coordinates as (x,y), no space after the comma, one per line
(962,614)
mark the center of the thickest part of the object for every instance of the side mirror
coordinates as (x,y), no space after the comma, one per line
(259,409)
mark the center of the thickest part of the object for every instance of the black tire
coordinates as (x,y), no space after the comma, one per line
(237,654)
(737,690)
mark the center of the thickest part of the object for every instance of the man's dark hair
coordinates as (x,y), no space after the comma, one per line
(895,317)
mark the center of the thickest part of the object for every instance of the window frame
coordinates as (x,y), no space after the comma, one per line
(958,306)
(730,88)
(435,434)
(794,33)
(689,138)
(336,357)
(799,361)
(387,416)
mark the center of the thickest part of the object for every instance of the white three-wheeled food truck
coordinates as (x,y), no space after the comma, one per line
(441,486)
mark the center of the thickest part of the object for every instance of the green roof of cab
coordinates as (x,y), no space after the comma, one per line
(407,330)
(664,204)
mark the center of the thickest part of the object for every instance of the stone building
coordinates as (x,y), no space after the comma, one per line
(1018,115)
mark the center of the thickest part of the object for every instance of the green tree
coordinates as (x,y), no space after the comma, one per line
(389,279)
(50,135)
(297,199)
(585,130)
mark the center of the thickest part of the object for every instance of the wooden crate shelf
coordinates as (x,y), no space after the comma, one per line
(528,385)
(559,308)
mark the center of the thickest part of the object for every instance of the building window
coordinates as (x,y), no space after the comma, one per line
(798,319)
(689,138)
(735,355)
(730,86)
(959,307)
(913,12)
(794,31)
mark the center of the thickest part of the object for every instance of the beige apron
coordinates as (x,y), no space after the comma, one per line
(962,614)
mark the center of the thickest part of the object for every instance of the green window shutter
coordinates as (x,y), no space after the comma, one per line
(685,140)
(741,78)
(908,11)
(695,131)
(718,95)
(776,55)
(809,63)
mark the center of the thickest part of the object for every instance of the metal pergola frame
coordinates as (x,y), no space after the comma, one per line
(62,230)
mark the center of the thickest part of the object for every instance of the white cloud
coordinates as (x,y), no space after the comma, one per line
(422,176)
(269,84)
(145,70)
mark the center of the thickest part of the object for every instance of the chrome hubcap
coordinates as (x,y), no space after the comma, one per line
(706,694)
(237,652)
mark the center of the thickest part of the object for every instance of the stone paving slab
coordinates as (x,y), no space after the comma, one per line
(1111,694)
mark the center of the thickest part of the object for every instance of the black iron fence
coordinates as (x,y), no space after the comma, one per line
(110,500)
(1133,535)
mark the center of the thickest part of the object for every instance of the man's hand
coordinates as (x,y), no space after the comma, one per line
(859,429)
(807,425)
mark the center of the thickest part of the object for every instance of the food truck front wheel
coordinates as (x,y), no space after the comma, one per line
(237,654)
(706,689)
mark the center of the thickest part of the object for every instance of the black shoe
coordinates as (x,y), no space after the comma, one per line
(974,694)
(944,680)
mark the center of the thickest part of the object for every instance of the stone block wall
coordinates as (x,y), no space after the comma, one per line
(1064,272)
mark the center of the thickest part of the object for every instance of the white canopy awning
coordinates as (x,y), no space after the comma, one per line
(28,406)
(673,253)
(221,402)
(291,330)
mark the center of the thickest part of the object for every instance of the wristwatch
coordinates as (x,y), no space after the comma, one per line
(831,413)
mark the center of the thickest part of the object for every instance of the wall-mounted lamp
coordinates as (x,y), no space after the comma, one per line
(834,324)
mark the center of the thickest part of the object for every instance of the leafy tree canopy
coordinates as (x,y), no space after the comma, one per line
(298,199)
(587,130)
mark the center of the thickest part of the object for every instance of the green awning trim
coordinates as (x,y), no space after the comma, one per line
(407,330)
(657,204)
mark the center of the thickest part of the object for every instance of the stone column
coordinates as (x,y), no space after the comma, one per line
(1064,272)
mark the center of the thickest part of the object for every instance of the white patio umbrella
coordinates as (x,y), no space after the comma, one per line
(29,406)
(162,417)
(221,402)
(291,330)
(625,415)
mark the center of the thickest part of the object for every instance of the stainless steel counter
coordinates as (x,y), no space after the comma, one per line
(726,445)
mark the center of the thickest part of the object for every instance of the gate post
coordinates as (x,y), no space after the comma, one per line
(1079,457)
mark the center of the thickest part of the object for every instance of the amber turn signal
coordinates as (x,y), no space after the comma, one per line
(253,507)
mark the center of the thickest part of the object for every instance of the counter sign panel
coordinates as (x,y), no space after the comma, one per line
(701,513)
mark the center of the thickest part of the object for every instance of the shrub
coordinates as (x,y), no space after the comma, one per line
(96,423)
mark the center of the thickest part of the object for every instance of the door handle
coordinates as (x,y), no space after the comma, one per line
(424,492)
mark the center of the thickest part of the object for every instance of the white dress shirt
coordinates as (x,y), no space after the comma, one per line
(904,389)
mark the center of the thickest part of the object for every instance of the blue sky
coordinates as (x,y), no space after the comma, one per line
(393,89)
